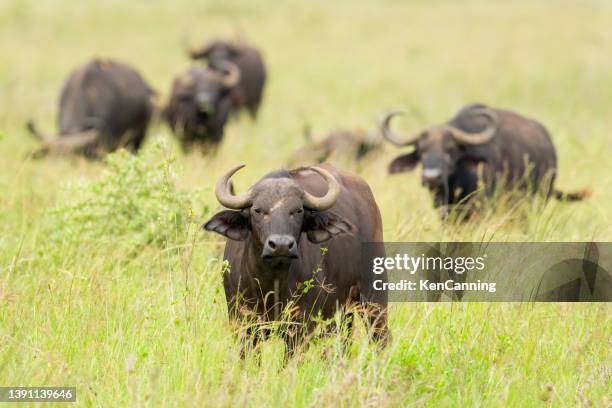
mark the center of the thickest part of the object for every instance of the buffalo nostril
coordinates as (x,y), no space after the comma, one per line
(271,244)
(291,244)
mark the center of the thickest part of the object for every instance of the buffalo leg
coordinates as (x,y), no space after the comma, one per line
(134,145)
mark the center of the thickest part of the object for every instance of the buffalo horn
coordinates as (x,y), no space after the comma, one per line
(393,137)
(225,196)
(232,75)
(484,136)
(329,199)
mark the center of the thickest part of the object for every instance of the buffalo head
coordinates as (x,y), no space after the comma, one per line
(200,102)
(275,212)
(439,148)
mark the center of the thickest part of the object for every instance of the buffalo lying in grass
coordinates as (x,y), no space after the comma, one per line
(104,105)
(339,146)
(277,233)
(480,146)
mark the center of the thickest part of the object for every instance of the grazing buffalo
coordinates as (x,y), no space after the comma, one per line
(295,229)
(104,105)
(480,145)
(200,103)
(248,92)
(340,146)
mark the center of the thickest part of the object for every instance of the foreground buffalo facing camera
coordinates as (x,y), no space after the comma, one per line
(277,230)
(249,90)
(200,103)
(480,145)
(104,105)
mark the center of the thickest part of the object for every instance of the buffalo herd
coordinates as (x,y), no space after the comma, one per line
(295,236)
(106,105)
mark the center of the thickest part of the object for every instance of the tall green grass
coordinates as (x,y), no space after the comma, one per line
(128,306)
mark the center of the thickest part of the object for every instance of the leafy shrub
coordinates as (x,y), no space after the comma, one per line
(134,203)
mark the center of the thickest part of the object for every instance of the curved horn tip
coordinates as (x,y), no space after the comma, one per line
(237,167)
(228,174)
(319,170)
(232,77)
(390,115)
(323,172)
(388,134)
(481,137)
(330,198)
(395,113)
(224,194)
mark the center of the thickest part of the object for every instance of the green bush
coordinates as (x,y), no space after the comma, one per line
(135,203)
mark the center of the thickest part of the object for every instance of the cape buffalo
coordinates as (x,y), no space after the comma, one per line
(339,146)
(292,228)
(480,145)
(104,105)
(200,103)
(248,92)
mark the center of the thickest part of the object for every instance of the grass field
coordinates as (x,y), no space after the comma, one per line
(128,306)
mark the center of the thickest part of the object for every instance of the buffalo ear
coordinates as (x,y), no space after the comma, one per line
(322,226)
(231,224)
(405,162)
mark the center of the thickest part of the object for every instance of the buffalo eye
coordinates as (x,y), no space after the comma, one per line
(297,211)
(260,211)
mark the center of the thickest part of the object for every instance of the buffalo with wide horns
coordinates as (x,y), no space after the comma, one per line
(296,227)
(480,146)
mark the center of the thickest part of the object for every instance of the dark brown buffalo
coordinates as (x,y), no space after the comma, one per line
(480,144)
(200,103)
(104,105)
(277,230)
(340,146)
(248,93)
